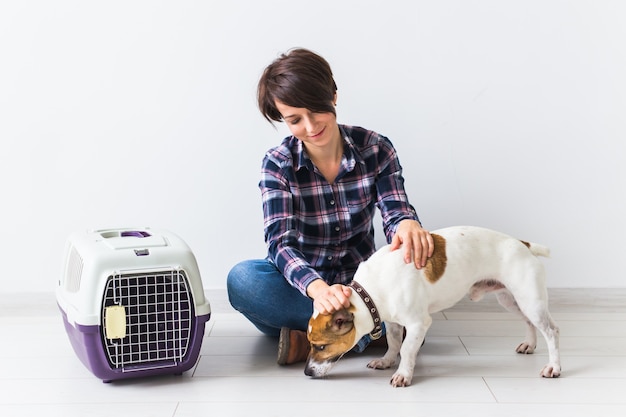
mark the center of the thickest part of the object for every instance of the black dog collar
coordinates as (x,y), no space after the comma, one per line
(377,332)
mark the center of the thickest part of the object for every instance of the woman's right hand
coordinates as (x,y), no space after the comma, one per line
(328,298)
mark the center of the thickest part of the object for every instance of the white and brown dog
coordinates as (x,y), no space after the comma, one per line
(465,259)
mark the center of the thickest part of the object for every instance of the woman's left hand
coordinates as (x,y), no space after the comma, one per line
(417,242)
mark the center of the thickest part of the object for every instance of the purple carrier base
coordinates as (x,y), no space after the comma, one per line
(88,347)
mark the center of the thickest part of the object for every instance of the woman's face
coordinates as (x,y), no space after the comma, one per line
(317,129)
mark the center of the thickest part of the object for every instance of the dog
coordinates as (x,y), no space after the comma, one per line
(466,259)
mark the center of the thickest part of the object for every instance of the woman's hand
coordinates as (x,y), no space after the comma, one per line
(417,243)
(328,298)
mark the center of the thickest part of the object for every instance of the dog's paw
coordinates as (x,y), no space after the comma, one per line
(525,348)
(379,363)
(399,380)
(551,371)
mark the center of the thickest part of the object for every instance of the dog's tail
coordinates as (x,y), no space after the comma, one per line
(537,249)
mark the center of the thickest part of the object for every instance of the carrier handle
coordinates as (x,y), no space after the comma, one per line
(135,233)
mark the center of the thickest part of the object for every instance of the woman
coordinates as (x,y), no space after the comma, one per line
(320,188)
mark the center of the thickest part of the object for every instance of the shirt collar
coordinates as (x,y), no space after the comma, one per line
(348,161)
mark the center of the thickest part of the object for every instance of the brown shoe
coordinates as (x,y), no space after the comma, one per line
(293,346)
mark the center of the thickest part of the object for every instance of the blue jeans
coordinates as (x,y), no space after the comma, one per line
(258,290)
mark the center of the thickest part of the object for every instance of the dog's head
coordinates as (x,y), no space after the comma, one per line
(331,336)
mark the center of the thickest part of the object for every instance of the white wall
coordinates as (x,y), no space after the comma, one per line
(506,114)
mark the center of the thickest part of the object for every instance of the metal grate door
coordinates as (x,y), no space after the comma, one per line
(156,323)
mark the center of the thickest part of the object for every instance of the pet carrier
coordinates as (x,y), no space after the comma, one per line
(132,302)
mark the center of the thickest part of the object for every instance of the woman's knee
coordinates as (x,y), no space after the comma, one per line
(257,289)
(249,278)
(238,281)
(238,274)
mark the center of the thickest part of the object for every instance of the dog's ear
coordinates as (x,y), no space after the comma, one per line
(343,321)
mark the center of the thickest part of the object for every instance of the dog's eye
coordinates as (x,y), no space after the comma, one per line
(319,348)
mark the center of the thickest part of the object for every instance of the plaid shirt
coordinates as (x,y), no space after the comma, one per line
(314,229)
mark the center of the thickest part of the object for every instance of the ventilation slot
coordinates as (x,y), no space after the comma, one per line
(74,271)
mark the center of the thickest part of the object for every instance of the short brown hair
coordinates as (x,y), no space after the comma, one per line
(298,78)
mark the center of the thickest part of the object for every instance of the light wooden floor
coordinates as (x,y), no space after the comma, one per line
(467,367)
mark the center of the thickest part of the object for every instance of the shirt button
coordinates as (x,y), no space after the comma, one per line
(332,202)
(337,229)
(330,258)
